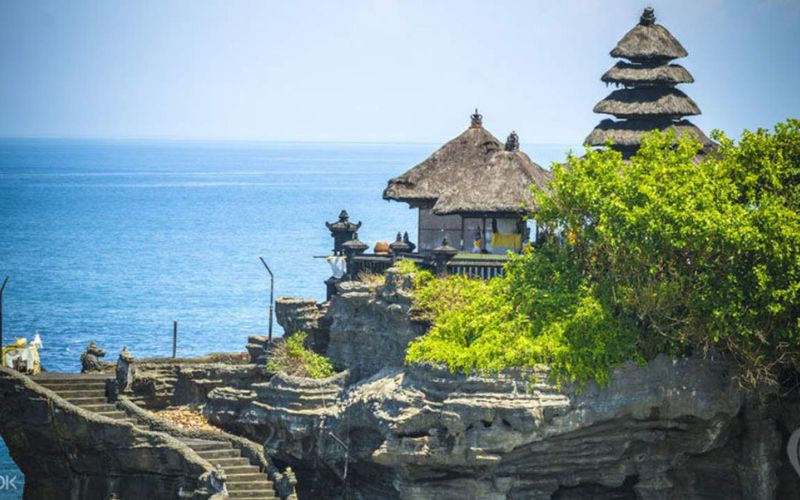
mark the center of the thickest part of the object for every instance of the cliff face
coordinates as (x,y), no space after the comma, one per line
(671,429)
(370,325)
(364,328)
(69,452)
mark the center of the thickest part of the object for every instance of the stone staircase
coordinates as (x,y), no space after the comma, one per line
(85,391)
(244,481)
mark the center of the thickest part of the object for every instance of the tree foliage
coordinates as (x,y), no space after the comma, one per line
(666,252)
(292,357)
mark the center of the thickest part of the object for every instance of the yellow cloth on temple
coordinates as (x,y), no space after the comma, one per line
(29,353)
(513,240)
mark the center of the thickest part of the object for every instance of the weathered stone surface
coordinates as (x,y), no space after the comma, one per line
(304,315)
(178,382)
(67,452)
(673,429)
(370,327)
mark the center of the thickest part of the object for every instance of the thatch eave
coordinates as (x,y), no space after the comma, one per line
(628,133)
(425,182)
(630,75)
(499,189)
(648,43)
(647,102)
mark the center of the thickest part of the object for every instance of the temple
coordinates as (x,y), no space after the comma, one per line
(474,190)
(648,100)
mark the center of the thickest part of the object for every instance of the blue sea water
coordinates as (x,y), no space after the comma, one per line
(113,240)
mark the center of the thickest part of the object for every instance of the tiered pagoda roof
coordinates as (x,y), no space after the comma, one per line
(648,99)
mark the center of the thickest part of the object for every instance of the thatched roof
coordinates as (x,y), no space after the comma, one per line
(641,102)
(648,41)
(628,133)
(633,75)
(461,157)
(498,188)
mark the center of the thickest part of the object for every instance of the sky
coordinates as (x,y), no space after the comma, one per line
(371,70)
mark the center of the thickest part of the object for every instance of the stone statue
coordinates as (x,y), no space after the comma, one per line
(512,143)
(125,370)
(407,241)
(90,359)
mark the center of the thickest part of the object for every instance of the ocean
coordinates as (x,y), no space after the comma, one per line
(112,241)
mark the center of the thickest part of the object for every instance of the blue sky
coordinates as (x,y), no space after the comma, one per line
(371,70)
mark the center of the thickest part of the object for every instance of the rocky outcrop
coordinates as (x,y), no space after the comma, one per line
(672,429)
(68,452)
(371,325)
(676,428)
(364,328)
(159,383)
(303,315)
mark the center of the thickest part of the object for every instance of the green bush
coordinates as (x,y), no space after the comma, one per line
(291,356)
(541,313)
(662,253)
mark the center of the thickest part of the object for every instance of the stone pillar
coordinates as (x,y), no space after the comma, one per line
(398,246)
(342,231)
(442,255)
(351,249)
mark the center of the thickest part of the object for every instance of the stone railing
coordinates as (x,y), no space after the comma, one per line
(68,452)
(478,266)
(284,482)
(162,382)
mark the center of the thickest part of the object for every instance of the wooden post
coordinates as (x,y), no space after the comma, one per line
(174,339)
(3,287)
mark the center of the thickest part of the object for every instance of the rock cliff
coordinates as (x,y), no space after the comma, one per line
(68,452)
(671,429)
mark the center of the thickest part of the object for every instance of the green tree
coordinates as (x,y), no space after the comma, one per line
(667,252)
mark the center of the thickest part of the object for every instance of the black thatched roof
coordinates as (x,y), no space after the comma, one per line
(628,133)
(648,41)
(650,101)
(498,188)
(632,75)
(654,101)
(462,156)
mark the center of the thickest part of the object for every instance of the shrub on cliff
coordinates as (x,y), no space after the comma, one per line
(292,357)
(663,253)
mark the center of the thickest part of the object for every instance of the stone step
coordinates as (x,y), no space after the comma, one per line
(88,402)
(229,462)
(262,494)
(242,470)
(97,408)
(203,445)
(246,477)
(67,381)
(219,453)
(117,415)
(262,484)
(62,378)
(93,393)
(76,387)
